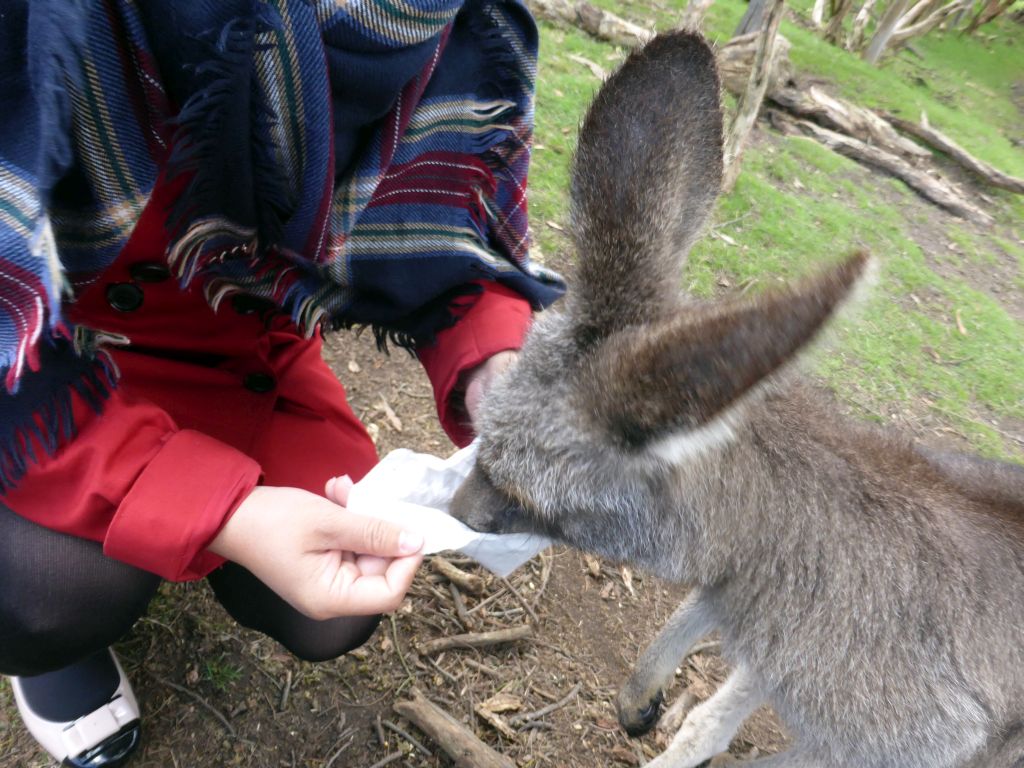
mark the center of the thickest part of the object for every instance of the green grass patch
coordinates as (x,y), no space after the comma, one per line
(798,205)
(221,672)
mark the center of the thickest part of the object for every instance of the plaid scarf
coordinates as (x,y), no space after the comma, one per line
(354,163)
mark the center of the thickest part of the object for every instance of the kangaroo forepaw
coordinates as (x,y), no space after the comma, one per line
(637,721)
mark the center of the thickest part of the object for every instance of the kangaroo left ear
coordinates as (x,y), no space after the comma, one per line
(652,381)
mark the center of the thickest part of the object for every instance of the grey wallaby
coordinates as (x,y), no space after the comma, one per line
(872,592)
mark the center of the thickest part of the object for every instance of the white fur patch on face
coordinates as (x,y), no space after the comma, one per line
(691,443)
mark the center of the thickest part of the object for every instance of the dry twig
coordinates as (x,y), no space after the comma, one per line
(467,582)
(522,600)
(476,639)
(199,700)
(949,147)
(532,716)
(405,735)
(388,760)
(465,749)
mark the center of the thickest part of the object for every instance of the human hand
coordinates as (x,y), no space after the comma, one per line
(479,380)
(323,560)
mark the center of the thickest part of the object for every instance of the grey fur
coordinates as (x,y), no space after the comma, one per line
(871,591)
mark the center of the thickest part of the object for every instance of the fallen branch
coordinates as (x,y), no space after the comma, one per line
(857,122)
(736,58)
(595,21)
(476,639)
(937,190)
(465,749)
(946,145)
(467,582)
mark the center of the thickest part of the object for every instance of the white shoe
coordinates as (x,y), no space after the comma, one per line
(102,737)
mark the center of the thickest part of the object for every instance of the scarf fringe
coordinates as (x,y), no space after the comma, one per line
(511,82)
(207,242)
(230,109)
(49,424)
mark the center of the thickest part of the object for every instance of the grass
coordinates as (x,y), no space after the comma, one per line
(797,205)
(221,672)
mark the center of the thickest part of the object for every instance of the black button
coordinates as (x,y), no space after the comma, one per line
(124,297)
(149,272)
(259,382)
(245,304)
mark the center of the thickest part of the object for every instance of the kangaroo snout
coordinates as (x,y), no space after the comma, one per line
(482,507)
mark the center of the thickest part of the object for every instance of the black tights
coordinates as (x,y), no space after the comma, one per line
(62,599)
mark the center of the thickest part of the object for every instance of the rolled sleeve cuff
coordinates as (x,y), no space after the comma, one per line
(497,321)
(178,504)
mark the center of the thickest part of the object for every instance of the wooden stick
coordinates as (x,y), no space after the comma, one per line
(388,760)
(476,639)
(460,609)
(467,582)
(938,191)
(602,24)
(495,720)
(522,600)
(946,145)
(735,59)
(465,749)
(814,104)
(749,105)
(401,732)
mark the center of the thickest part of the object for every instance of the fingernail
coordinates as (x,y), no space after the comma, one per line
(330,486)
(409,542)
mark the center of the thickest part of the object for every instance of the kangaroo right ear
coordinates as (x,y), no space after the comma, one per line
(646,174)
(658,381)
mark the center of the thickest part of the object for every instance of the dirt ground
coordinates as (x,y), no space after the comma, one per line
(214,694)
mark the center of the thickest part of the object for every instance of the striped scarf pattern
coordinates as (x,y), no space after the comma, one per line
(359,163)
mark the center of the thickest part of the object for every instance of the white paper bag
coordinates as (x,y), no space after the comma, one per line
(414,490)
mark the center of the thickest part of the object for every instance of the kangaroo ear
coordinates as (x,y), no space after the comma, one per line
(646,174)
(647,383)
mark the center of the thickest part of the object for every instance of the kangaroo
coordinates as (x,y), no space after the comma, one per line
(870,591)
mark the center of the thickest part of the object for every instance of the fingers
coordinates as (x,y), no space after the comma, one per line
(337,489)
(358,594)
(368,536)
(400,574)
(371,565)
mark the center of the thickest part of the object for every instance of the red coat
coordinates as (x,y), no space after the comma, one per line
(211,404)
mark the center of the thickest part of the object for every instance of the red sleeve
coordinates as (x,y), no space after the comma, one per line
(497,321)
(155,495)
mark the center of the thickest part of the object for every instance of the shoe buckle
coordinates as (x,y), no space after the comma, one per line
(89,730)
